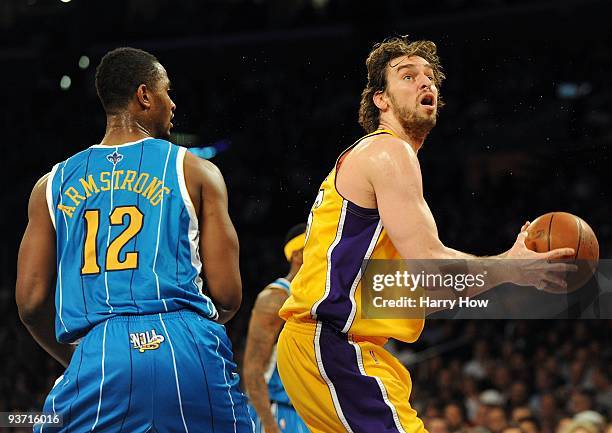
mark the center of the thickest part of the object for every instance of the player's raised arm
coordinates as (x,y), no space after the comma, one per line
(36,276)
(219,248)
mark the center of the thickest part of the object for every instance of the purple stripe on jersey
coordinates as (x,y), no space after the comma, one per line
(360,398)
(345,262)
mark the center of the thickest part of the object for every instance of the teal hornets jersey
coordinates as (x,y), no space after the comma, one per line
(127,236)
(276,389)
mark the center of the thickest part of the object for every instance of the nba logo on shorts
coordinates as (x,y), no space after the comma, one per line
(148,340)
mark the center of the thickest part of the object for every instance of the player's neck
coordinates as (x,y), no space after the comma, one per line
(416,142)
(123,128)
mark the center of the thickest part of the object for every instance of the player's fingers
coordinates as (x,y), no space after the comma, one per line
(525,226)
(559,253)
(520,238)
(556,279)
(561,267)
(551,287)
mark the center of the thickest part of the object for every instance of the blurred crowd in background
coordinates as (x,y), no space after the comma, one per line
(270,91)
(538,377)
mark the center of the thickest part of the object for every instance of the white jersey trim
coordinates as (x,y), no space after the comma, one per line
(330,385)
(194,227)
(102,380)
(178,386)
(229,387)
(111,208)
(49,194)
(106,146)
(161,215)
(373,242)
(339,229)
(381,385)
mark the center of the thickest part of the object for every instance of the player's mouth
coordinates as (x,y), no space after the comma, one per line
(428,100)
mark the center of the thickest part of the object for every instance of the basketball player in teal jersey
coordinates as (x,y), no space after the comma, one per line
(117,236)
(270,407)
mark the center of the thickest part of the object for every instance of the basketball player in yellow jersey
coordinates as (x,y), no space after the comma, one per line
(371,206)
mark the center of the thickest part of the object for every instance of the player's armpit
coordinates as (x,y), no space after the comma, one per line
(36,276)
(218,243)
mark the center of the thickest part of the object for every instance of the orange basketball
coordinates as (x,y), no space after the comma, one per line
(564,230)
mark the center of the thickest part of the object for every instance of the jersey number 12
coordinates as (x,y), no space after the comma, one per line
(90,249)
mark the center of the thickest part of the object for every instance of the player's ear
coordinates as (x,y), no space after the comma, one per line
(143,96)
(380,100)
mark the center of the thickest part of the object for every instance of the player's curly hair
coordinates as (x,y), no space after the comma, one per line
(119,74)
(378,59)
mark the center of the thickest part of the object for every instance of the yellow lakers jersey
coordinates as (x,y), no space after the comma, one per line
(340,236)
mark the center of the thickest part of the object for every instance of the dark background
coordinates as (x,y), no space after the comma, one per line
(275,86)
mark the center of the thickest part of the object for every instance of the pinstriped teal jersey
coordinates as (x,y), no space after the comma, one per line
(127,236)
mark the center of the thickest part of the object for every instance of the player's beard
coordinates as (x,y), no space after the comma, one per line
(164,132)
(414,123)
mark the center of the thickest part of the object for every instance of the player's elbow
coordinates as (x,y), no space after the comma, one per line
(228,303)
(30,312)
(33,297)
(230,307)
(226,291)
(423,249)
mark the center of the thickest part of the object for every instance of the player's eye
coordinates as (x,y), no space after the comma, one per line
(407,76)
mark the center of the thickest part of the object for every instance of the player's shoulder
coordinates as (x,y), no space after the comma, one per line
(38,195)
(41,183)
(271,296)
(385,143)
(379,152)
(201,168)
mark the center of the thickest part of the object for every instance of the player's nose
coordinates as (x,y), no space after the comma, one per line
(425,81)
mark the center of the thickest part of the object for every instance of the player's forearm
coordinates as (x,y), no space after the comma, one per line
(257,390)
(489,271)
(61,352)
(496,268)
(41,325)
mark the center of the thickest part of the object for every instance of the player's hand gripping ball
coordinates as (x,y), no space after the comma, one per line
(562,230)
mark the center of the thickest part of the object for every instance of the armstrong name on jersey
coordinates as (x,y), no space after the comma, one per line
(143,183)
